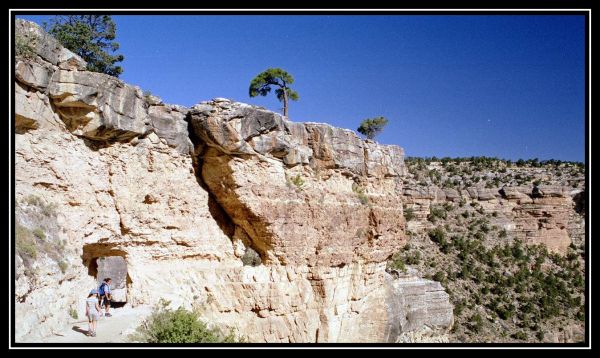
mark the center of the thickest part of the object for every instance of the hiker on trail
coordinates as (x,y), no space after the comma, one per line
(105,296)
(92,311)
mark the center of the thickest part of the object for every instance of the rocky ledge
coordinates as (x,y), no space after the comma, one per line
(279,229)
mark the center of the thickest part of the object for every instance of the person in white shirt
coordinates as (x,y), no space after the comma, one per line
(92,311)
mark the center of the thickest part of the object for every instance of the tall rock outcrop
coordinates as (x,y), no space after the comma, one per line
(186,195)
(301,193)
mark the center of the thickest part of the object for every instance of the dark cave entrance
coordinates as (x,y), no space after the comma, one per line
(103,262)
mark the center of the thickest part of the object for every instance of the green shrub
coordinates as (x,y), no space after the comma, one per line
(458,308)
(364,199)
(448,206)
(437,212)
(505,312)
(414,259)
(297,181)
(73,313)
(165,325)
(520,335)
(438,235)
(581,314)
(409,214)
(439,276)
(251,257)
(485,228)
(63,266)
(39,233)
(465,271)
(398,263)
(540,335)
(23,47)
(25,242)
(476,323)
(48,210)
(360,193)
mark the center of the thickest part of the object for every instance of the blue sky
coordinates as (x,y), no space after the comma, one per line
(463,85)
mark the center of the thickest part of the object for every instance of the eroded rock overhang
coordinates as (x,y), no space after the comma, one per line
(301,193)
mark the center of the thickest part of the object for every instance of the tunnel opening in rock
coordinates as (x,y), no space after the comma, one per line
(105,262)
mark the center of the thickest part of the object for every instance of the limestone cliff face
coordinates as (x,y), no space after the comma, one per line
(344,207)
(184,195)
(536,215)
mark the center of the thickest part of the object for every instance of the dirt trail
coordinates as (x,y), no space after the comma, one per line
(108,329)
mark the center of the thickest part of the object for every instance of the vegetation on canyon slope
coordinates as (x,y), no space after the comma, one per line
(35,235)
(502,290)
(462,173)
(166,325)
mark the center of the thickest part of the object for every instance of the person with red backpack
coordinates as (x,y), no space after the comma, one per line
(104,295)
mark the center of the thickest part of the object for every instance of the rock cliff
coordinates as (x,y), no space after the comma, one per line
(281,230)
(476,225)
(186,195)
(536,213)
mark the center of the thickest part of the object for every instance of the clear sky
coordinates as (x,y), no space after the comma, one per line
(463,85)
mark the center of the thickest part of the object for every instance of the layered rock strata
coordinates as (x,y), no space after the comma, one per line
(535,214)
(105,171)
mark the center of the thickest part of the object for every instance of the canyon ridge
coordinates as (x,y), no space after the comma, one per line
(283,231)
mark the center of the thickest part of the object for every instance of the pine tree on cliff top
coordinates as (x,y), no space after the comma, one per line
(261,85)
(91,37)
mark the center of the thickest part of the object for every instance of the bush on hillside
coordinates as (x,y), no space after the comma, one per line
(166,325)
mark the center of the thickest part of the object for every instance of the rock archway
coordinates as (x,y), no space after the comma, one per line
(103,262)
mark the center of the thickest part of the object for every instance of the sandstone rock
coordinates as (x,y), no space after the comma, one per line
(33,74)
(248,130)
(171,126)
(30,109)
(98,106)
(384,160)
(179,245)
(153,100)
(322,208)
(255,192)
(425,335)
(452,194)
(511,193)
(421,303)
(473,193)
(45,46)
(554,191)
(484,194)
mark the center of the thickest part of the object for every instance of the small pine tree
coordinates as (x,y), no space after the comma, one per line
(261,85)
(371,127)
